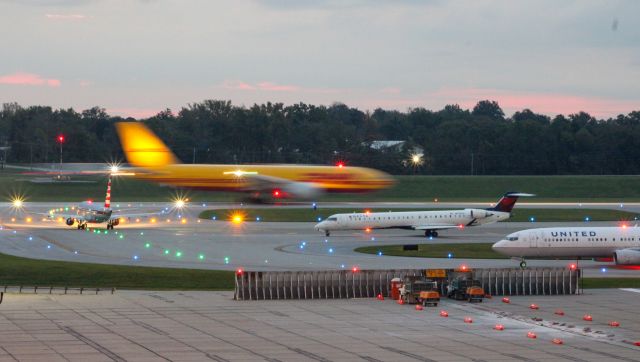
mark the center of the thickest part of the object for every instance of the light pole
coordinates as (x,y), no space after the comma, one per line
(61,141)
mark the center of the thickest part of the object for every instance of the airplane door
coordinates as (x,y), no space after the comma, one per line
(534,237)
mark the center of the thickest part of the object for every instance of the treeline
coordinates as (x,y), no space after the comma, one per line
(480,141)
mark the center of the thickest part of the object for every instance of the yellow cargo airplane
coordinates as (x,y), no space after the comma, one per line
(154,161)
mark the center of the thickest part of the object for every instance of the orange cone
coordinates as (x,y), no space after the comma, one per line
(419,307)
(557,341)
(614,324)
(534,306)
(468,320)
(380,297)
(444,313)
(506,300)
(499,327)
(531,335)
(587,317)
(559,312)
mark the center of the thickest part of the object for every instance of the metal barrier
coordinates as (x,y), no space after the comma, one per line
(54,290)
(339,284)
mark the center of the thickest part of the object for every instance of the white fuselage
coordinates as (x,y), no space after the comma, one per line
(569,242)
(417,220)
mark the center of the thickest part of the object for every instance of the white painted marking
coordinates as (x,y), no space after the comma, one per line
(631,290)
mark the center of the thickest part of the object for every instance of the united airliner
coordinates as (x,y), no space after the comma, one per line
(622,243)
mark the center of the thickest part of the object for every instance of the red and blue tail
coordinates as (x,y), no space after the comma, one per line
(107,199)
(508,201)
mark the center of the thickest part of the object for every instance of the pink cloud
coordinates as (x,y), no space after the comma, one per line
(28,79)
(390,90)
(66,16)
(137,113)
(273,87)
(547,103)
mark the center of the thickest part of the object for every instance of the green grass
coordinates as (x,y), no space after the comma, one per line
(407,188)
(593,283)
(466,250)
(32,272)
(283,214)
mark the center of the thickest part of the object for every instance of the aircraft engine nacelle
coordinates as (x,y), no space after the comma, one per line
(478,213)
(70,221)
(627,257)
(115,222)
(302,190)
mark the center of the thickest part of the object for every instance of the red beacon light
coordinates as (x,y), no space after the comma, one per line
(61,138)
(239,271)
(340,164)
(276,193)
(573,266)
(355,269)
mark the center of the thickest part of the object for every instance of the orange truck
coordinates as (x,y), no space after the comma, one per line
(465,289)
(418,289)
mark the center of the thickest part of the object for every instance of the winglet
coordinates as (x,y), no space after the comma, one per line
(142,147)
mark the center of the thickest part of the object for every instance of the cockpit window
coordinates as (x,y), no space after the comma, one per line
(332,219)
(512,238)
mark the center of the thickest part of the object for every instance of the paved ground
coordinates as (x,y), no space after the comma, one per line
(200,326)
(253,246)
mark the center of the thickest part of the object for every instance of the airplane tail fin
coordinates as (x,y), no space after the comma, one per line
(508,201)
(142,147)
(107,199)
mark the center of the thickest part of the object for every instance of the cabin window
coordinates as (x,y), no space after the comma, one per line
(512,238)
(332,219)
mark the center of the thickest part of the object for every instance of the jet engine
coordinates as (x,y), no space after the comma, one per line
(478,213)
(70,221)
(627,257)
(115,221)
(301,190)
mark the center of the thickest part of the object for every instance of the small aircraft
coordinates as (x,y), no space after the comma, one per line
(152,160)
(429,221)
(88,212)
(620,242)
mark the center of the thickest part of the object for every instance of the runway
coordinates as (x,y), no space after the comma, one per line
(209,244)
(210,326)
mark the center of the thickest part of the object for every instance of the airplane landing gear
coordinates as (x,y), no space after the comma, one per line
(109,226)
(327,233)
(82,226)
(431,233)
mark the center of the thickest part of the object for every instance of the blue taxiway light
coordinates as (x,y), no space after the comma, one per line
(330,250)
(379,253)
(48,246)
(532,219)
(319,219)
(604,270)
(450,255)
(135,257)
(587,218)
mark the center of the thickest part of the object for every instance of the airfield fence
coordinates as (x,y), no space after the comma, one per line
(21,289)
(341,284)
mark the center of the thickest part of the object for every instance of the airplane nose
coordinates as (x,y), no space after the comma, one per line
(499,246)
(319,225)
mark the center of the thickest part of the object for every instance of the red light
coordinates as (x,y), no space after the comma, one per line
(276,193)
(461,226)
(463,267)
(340,164)
(624,226)
(239,271)
(573,266)
(61,139)
(355,269)
(367,230)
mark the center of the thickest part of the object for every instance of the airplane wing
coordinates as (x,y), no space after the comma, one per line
(434,227)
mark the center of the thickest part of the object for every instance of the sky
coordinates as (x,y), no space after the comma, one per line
(137,57)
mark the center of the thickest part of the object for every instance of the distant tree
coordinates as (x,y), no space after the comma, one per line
(489,109)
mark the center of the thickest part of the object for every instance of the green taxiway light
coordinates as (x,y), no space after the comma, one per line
(147,245)
(178,254)
(226,260)
(166,251)
(121,236)
(142,233)
(201,256)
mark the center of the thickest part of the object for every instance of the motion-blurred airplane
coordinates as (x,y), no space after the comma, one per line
(154,161)
(89,213)
(429,221)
